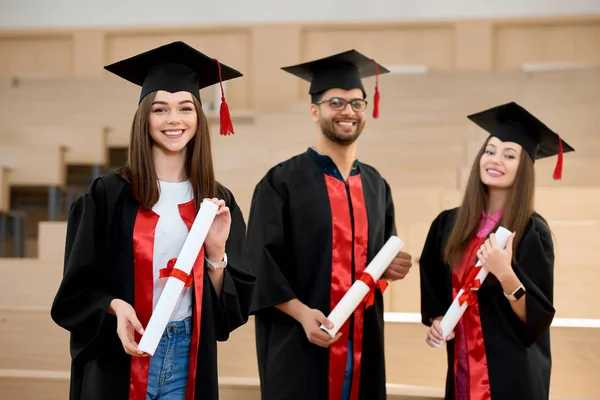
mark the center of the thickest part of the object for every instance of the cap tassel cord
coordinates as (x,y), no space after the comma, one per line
(226,126)
(377,96)
(559,163)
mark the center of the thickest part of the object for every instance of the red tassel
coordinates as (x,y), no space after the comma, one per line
(559,163)
(377,95)
(226,124)
(226,127)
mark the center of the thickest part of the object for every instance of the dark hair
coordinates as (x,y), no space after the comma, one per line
(315,98)
(140,172)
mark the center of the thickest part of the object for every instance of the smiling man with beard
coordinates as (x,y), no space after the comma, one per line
(316,221)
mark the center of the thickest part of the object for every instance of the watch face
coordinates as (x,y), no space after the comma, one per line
(519,293)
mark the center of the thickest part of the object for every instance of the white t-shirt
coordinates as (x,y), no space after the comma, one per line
(171,232)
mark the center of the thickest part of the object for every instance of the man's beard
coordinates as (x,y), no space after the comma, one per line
(328,129)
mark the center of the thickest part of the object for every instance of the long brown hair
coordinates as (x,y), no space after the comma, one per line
(140,172)
(518,209)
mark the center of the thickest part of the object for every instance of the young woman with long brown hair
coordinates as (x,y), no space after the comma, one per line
(125,233)
(500,348)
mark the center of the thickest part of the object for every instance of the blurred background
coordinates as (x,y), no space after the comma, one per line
(65,121)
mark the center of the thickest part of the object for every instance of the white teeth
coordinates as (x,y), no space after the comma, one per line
(173,133)
(346,123)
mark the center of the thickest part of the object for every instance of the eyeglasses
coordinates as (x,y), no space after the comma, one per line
(339,104)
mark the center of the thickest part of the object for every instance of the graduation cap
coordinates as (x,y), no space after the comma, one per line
(512,123)
(343,71)
(177,67)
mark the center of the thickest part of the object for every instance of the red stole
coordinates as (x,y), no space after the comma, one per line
(341,275)
(478,379)
(143,255)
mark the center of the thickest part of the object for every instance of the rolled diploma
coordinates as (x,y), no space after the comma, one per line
(456,311)
(173,288)
(359,289)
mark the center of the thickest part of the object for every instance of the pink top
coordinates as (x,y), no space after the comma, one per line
(486,224)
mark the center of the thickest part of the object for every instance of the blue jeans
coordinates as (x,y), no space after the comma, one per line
(348,375)
(168,374)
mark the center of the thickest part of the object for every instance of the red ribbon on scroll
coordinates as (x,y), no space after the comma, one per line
(176,273)
(472,284)
(370,282)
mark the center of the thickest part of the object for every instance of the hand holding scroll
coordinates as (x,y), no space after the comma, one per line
(399,267)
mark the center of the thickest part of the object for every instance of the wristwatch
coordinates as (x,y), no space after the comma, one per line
(516,294)
(217,265)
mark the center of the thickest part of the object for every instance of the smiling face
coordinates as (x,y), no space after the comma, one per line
(173,121)
(499,163)
(342,126)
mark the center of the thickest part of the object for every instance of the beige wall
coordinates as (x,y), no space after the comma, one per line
(259,51)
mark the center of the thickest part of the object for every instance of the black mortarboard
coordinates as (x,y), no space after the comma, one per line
(176,67)
(512,123)
(343,71)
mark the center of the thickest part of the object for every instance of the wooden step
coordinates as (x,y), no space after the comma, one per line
(85,145)
(51,240)
(51,385)
(29,283)
(34,165)
(4,188)
(29,339)
(34,384)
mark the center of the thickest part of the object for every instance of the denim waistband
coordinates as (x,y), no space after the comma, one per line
(179,327)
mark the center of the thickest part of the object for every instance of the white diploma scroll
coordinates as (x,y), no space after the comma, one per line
(359,289)
(174,287)
(456,311)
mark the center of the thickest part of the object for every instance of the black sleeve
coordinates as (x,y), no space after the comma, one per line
(232,307)
(433,274)
(535,269)
(390,215)
(80,304)
(266,247)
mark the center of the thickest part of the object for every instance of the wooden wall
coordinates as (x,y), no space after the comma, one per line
(260,50)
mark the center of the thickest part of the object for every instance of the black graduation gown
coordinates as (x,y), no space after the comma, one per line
(99,266)
(518,354)
(290,250)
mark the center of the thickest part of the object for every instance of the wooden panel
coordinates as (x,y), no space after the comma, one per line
(35,56)
(274,46)
(230,46)
(51,240)
(42,278)
(568,203)
(474,45)
(409,361)
(517,44)
(85,146)
(4,188)
(34,385)
(427,44)
(399,176)
(88,53)
(417,44)
(40,385)
(29,339)
(34,166)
